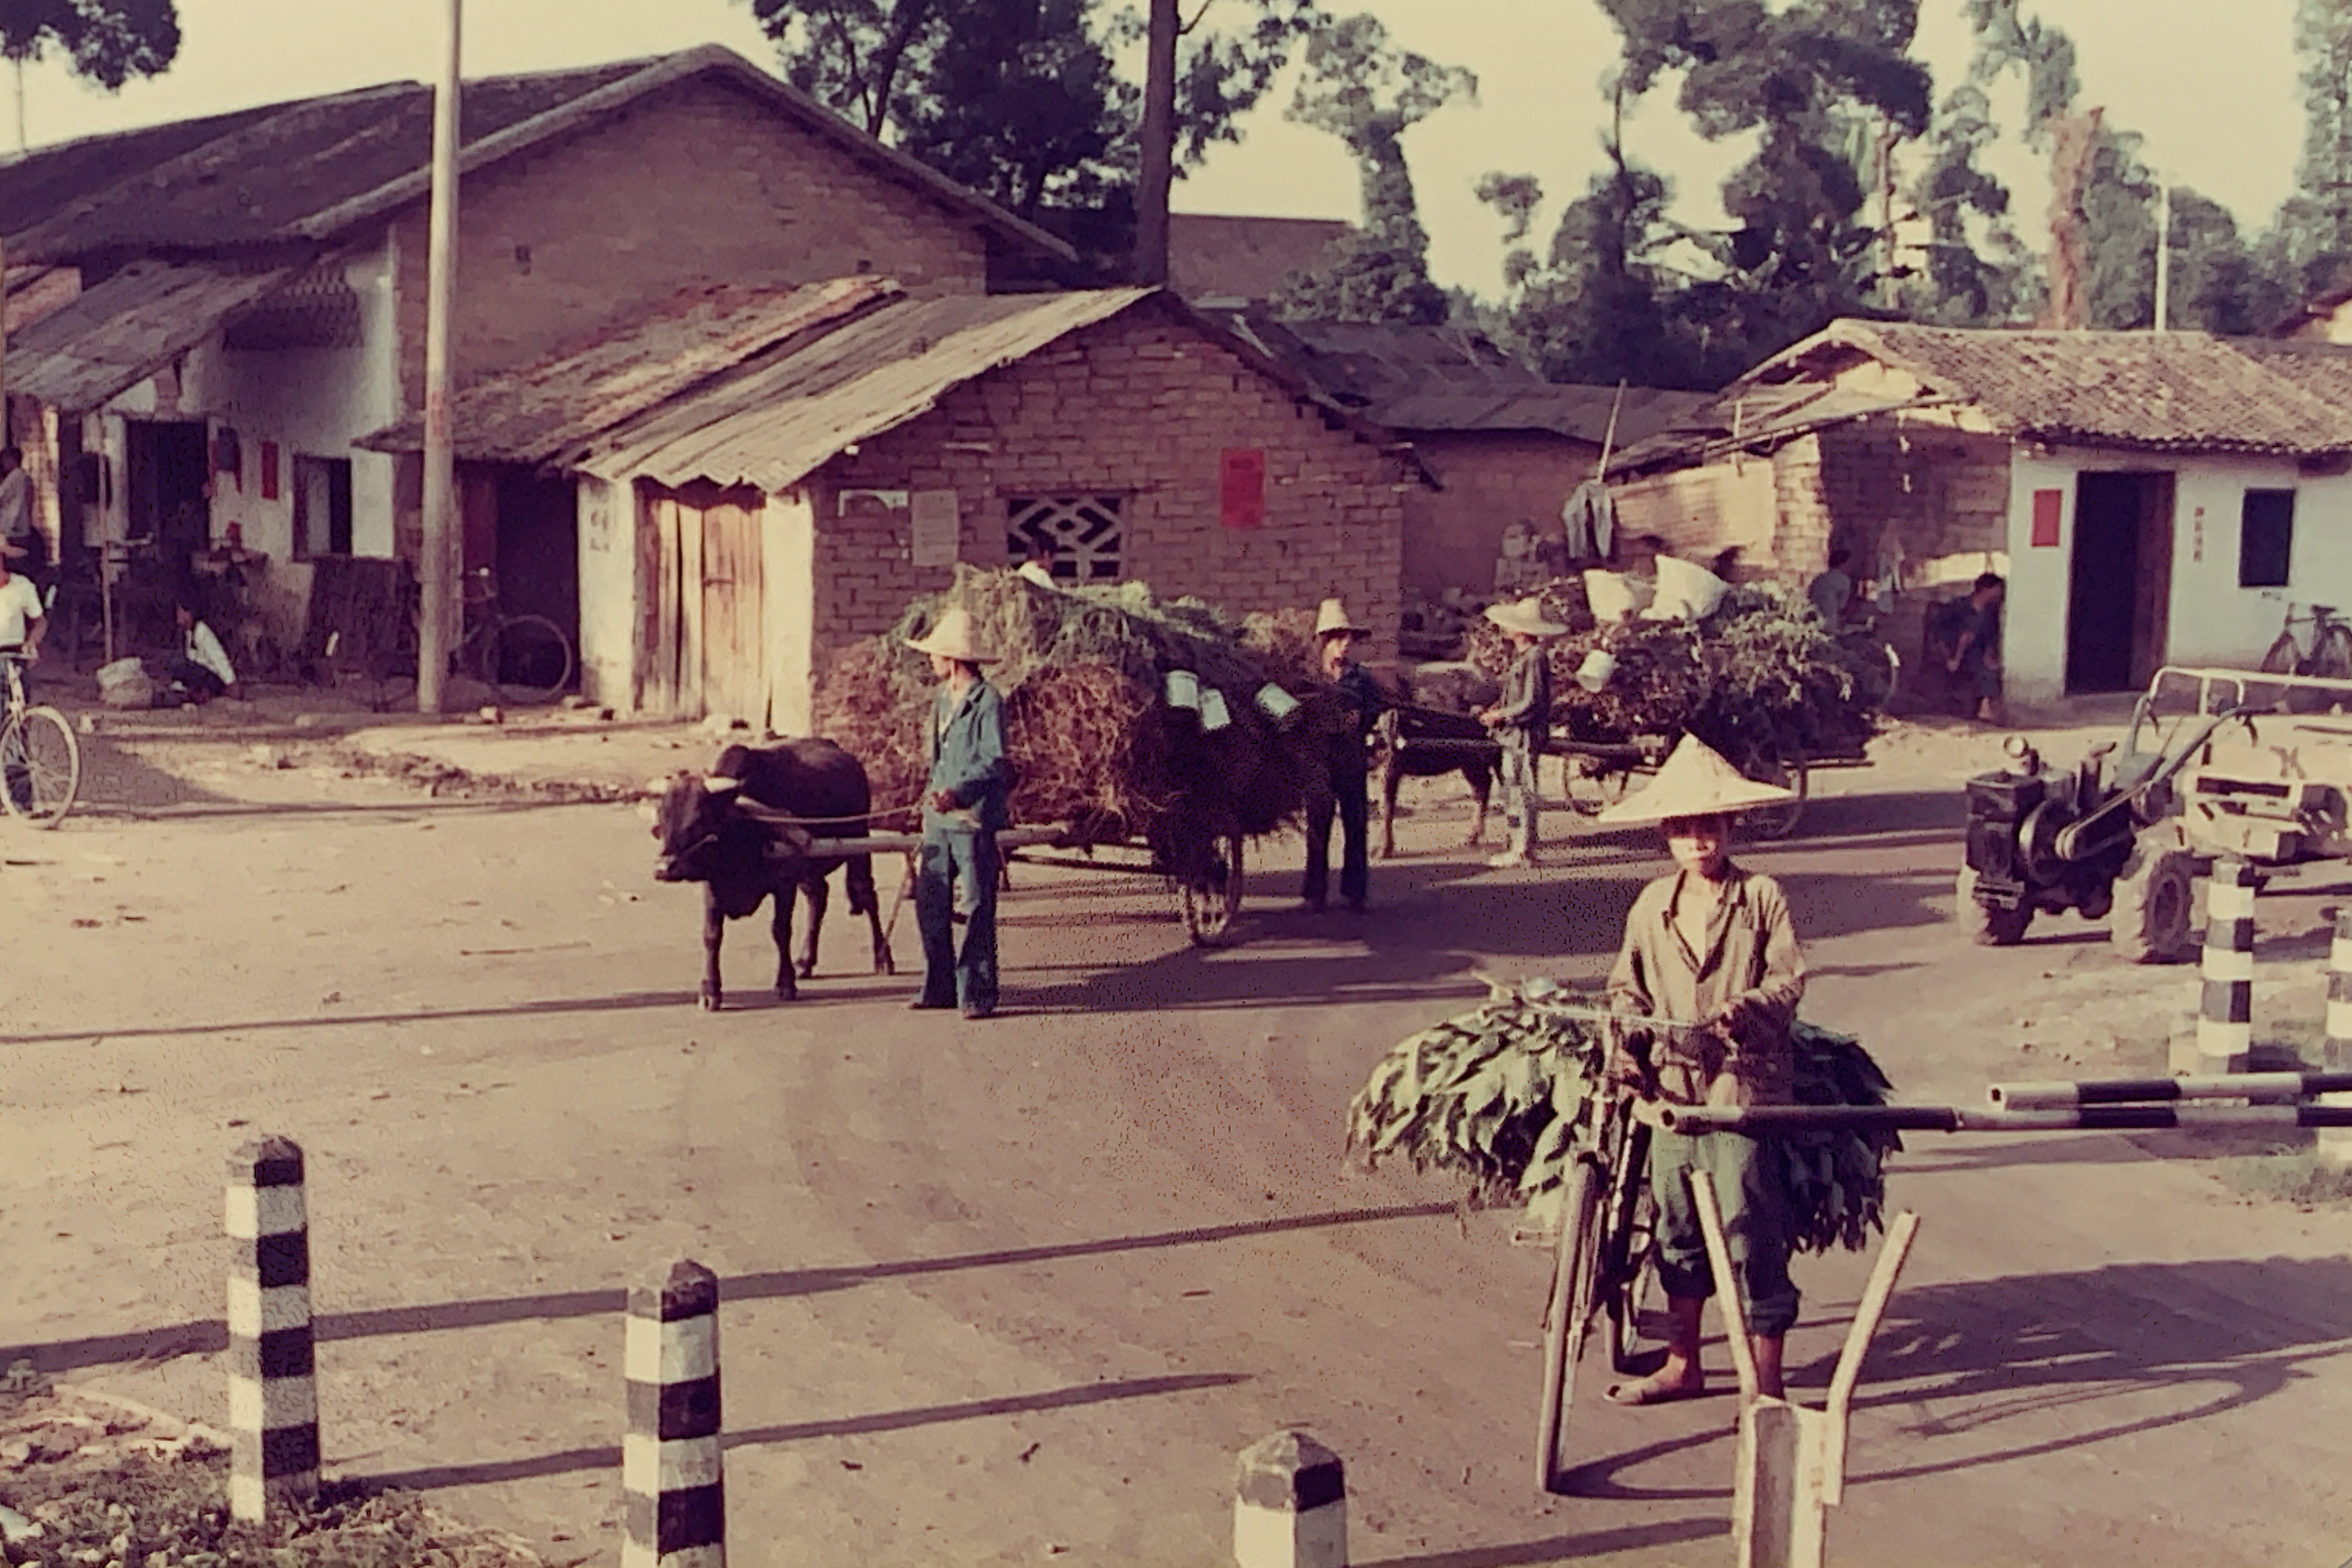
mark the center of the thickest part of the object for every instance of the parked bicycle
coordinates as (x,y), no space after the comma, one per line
(2331,646)
(523,658)
(40,759)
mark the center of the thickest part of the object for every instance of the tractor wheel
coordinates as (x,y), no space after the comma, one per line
(2155,917)
(1987,926)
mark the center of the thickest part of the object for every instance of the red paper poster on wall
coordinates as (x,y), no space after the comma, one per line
(2048,505)
(1241,486)
(270,470)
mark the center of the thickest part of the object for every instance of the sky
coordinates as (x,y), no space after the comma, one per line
(2211,88)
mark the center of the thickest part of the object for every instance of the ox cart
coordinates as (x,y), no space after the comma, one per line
(1208,906)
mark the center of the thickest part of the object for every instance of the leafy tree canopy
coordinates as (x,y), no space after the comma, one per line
(107,41)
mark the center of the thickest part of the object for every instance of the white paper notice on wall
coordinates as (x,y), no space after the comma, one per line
(938,530)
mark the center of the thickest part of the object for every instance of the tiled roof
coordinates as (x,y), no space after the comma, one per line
(126,329)
(2144,391)
(313,169)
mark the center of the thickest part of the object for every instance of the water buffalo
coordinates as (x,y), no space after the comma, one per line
(755,827)
(1423,742)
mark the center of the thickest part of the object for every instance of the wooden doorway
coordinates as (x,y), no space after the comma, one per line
(705,642)
(2120,590)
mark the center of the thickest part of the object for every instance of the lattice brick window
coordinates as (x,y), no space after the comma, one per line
(1086,533)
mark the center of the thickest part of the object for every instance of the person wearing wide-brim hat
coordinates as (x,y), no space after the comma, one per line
(1522,722)
(964,804)
(1350,766)
(1710,946)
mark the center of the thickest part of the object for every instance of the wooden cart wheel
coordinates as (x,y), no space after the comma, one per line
(1766,761)
(1209,912)
(1591,784)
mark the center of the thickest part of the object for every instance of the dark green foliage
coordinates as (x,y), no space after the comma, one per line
(109,41)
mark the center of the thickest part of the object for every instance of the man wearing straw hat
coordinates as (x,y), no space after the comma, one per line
(964,804)
(1710,947)
(1349,791)
(1522,722)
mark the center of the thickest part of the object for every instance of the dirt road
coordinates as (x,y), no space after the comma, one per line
(1018,1291)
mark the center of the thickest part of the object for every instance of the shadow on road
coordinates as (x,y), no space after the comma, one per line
(206,1338)
(1564,1548)
(608,1457)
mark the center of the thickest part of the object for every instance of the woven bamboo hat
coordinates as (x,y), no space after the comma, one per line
(1334,618)
(954,637)
(1694,782)
(1526,617)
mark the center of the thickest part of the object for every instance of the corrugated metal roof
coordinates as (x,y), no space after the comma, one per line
(1750,413)
(546,412)
(126,329)
(774,426)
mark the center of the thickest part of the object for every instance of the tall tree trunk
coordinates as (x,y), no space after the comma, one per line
(1159,144)
(2074,143)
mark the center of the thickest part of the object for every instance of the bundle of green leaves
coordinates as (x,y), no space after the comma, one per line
(1497,1093)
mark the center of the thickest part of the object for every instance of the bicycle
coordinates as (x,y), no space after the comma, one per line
(40,759)
(523,658)
(2331,647)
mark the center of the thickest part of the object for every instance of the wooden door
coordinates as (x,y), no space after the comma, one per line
(733,663)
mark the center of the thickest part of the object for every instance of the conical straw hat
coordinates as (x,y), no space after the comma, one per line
(1334,618)
(1524,617)
(954,637)
(1694,782)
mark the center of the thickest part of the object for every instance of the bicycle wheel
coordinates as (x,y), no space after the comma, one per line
(1566,1317)
(1209,912)
(1591,784)
(530,658)
(1765,761)
(2284,656)
(40,766)
(1630,1252)
(2331,655)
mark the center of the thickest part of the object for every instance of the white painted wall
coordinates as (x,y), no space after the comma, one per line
(609,593)
(2211,620)
(788,552)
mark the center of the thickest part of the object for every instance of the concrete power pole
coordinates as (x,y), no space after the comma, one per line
(1159,144)
(436,566)
(2163,250)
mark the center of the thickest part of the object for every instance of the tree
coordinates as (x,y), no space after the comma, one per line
(108,41)
(1368,94)
(1022,100)
(2315,224)
(1963,282)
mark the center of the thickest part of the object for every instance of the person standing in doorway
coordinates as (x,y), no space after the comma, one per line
(1037,565)
(965,804)
(1348,790)
(1522,722)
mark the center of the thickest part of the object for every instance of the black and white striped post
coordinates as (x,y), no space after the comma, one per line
(273,1389)
(673,1492)
(1290,1505)
(2336,1144)
(2225,1022)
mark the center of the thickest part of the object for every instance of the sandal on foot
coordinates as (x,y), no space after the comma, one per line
(1649,1391)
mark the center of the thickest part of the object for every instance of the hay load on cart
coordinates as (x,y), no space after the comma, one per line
(1749,669)
(1130,721)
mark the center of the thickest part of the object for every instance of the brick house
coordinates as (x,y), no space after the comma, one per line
(2151,499)
(225,305)
(740,525)
(1505,446)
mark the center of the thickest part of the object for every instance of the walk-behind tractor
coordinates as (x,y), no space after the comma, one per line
(2123,836)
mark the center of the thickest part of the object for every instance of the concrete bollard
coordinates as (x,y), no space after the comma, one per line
(1290,1505)
(2225,1028)
(672,1487)
(273,1389)
(2336,1142)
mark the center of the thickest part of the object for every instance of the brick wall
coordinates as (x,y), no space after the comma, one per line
(1492,480)
(701,184)
(1139,406)
(1699,511)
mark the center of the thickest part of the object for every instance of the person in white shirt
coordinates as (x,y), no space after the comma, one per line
(21,622)
(1038,567)
(202,671)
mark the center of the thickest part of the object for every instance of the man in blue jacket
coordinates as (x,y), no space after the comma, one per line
(964,804)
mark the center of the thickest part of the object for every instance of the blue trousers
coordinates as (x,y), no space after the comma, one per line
(950,857)
(1349,797)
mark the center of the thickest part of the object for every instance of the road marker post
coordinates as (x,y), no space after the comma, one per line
(2336,1143)
(673,1488)
(273,1388)
(1290,1505)
(2225,1028)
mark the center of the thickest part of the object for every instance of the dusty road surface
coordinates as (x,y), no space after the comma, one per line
(1018,1291)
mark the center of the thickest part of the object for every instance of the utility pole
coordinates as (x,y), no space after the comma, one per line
(439,604)
(2163,249)
(1159,144)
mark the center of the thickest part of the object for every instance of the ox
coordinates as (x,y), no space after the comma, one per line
(754,829)
(1423,743)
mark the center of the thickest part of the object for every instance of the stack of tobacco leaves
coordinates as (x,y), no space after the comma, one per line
(1761,667)
(1093,741)
(1495,1093)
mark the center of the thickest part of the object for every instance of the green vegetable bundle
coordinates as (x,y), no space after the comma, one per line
(1495,1093)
